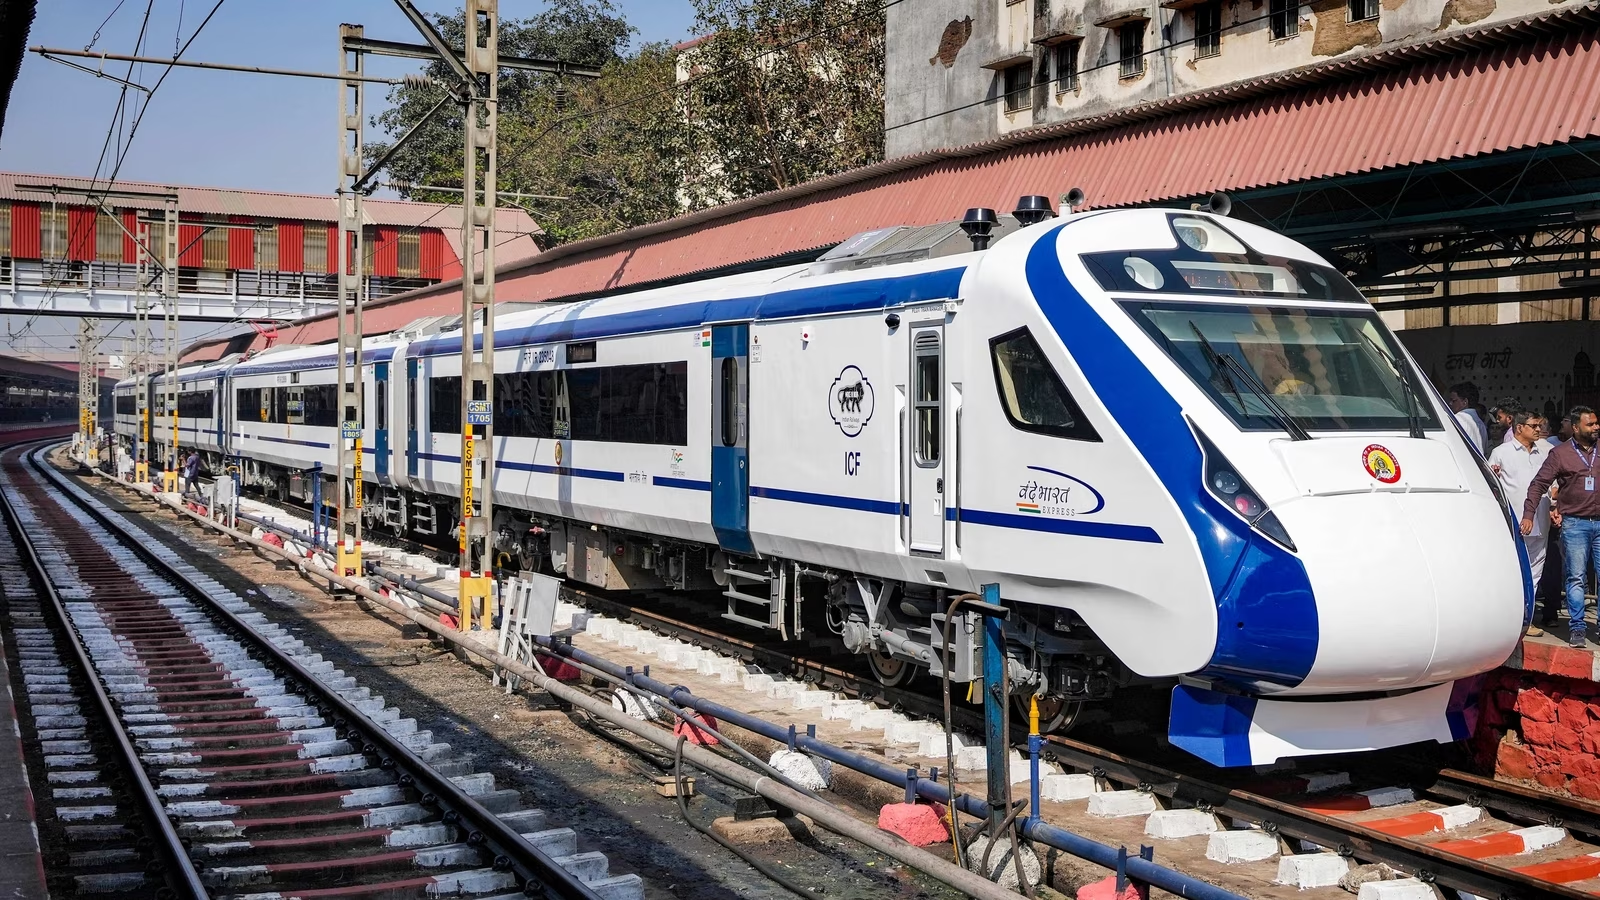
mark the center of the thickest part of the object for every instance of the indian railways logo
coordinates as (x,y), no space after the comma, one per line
(851,401)
(1380,463)
(558,454)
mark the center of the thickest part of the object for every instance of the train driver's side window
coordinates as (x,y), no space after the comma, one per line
(1031,393)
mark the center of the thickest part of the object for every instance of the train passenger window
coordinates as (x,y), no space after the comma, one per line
(1031,393)
(444,404)
(730,402)
(296,406)
(380,402)
(926,396)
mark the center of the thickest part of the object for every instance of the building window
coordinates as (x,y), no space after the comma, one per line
(1361,10)
(1018,82)
(1208,29)
(1285,19)
(1132,59)
(316,247)
(1066,66)
(53,231)
(267,247)
(5,229)
(107,238)
(410,253)
(214,246)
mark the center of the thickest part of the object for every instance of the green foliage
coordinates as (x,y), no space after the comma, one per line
(781,92)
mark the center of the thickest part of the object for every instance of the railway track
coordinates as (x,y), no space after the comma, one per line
(1415,839)
(192,749)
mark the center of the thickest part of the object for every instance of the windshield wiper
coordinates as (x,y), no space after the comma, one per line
(1223,363)
(1413,409)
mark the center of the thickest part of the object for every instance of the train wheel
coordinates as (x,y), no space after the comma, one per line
(889,670)
(1056,716)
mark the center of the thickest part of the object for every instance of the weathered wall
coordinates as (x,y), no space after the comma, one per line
(935,64)
(1540,727)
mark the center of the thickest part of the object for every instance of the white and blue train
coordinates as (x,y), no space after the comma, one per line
(1185,447)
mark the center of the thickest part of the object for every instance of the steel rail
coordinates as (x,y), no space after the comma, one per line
(176,868)
(537,874)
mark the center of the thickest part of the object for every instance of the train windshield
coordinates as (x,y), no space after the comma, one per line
(1288,369)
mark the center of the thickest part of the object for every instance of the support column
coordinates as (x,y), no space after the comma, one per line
(477,314)
(352,259)
(169,300)
(139,364)
(88,389)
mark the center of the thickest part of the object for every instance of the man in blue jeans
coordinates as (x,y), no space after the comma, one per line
(1571,466)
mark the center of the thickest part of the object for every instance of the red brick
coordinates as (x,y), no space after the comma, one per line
(1536,706)
(1537,733)
(1587,788)
(1514,761)
(1551,778)
(1572,663)
(1584,766)
(1573,713)
(1548,757)
(1564,737)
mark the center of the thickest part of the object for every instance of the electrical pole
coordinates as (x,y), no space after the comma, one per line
(169,300)
(352,259)
(88,389)
(477,299)
(140,365)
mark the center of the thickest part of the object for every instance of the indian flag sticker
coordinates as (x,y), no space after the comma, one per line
(1028,508)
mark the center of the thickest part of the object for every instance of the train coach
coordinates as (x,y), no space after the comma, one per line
(1185,447)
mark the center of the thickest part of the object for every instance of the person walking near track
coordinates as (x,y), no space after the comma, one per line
(1571,466)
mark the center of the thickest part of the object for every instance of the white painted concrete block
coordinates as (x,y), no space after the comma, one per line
(1171,824)
(1540,836)
(1399,889)
(933,743)
(812,699)
(1457,816)
(1389,796)
(844,709)
(757,682)
(972,759)
(1064,788)
(1312,870)
(1317,782)
(906,731)
(1117,804)
(871,717)
(730,671)
(1240,846)
(806,771)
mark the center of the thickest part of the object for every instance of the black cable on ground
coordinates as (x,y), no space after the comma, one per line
(683,810)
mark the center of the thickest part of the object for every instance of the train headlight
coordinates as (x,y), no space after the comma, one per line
(1228,486)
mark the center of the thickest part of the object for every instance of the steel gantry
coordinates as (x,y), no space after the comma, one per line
(88,389)
(169,305)
(352,264)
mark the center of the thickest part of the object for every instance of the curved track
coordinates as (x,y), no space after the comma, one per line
(241,764)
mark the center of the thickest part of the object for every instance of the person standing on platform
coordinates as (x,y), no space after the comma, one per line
(1505,411)
(1463,400)
(1516,462)
(191,473)
(1571,466)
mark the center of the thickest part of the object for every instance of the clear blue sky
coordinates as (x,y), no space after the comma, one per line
(217,128)
(211,128)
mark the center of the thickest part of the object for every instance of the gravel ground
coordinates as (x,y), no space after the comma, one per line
(581,780)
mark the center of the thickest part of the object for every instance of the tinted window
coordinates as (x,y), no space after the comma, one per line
(444,404)
(1031,392)
(194,405)
(126,406)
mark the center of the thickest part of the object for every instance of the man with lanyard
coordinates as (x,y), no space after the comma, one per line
(1515,463)
(1571,467)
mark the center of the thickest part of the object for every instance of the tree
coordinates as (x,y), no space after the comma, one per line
(781,92)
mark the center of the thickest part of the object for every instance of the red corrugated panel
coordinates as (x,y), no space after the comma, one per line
(130,222)
(438,260)
(241,244)
(385,251)
(191,249)
(80,233)
(291,246)
(25,230)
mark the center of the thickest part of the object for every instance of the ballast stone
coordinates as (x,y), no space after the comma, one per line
(1240,846)
(1312,870)
(1171,824)
(1119,804)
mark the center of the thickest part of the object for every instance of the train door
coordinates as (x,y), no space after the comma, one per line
(220,414)
(730,462)
(380,421)
(411,419)
(926,447)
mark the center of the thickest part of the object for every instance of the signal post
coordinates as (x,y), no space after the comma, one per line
(352,263)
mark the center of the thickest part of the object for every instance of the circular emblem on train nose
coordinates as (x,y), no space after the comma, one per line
(1380,463)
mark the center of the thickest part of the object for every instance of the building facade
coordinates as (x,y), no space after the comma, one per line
(961,72)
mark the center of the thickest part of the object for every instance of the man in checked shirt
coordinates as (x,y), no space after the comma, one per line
(1571,466)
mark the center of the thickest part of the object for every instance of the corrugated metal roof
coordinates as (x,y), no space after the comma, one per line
(1521,84)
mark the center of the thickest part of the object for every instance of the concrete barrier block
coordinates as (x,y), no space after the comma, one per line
(1064,788)
(1240,846)
(1117,804)
(933,743)
(972,759)
(784,690)
(812,699)
(804,770)
(871,717)
(757,682)
(1171,824)
(1312,870)
(844,710)
(1399,889)
(906,731)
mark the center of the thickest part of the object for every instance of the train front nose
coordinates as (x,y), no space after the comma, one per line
(1413,587)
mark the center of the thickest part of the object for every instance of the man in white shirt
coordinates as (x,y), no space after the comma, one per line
(1515,463)
(1463,397)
